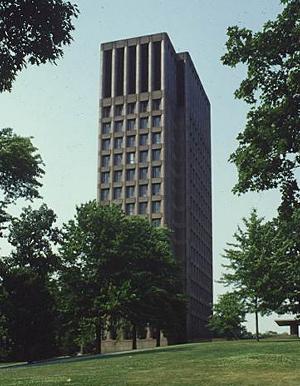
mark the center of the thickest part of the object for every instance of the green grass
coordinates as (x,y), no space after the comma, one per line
(219,363)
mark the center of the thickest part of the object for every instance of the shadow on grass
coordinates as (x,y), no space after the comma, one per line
(94,357)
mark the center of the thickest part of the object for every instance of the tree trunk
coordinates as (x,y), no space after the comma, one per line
(158,337)
(256,325)
(134,346)
(98,337)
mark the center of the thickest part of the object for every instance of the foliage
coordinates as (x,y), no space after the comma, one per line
(116,268)
(228,315)
(28,302)
(268,151)
(248,263)
(32,32)
(20,170)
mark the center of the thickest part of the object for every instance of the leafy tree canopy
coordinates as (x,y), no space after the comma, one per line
(269,146)
(32,32)
(228,315)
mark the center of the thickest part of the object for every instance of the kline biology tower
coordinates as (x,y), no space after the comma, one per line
(155,154)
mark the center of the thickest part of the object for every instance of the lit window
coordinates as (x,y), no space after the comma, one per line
(118,126)
(130,124)
(156,138)
(129,191)
(129,209)
(117,176)
(155,189)
(130,174)
(117,159)
(143,174)
(105,177)
(106,112)
(143,190)
(118,143)
(105,144)
(104,194)
(156,104)
(143,139)
(144,123)
(131,141)
(156,155)
(143,106)
(130,158)
(156,172)
(156,222)
(143,207)
(106,127)
(117,193)
(156,121)
(143,156)
(130,108)
(105,161)
(155,206)
(118,110)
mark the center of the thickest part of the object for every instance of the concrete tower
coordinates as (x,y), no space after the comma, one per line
(155,154)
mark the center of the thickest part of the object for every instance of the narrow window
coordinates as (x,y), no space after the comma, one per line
(131,141)
(143,208)
(105,144)
(105,177)
(143,139)
(129,191)
(143,106)
(129,209)
(156,65)
(107,72)
(156,172)
(117,193)
(144,67)
(117,176)
(156,104)
(106,128)
(130,124)
(130,158)
(131,69)
(131,108)
(144,123)
(118,143)
(118,126)
(118,110)
(117,159)
(104,194)
(105,161)
(130,173)
(119,71)
(143,173)
(106,112)
(143,156)
(156,155)
(155,206)
(156,138)
(156,121)
(155,189)
(143,190)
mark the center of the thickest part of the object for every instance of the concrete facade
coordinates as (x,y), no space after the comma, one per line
(155,154)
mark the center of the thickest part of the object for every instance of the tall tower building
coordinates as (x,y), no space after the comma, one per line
(155,154)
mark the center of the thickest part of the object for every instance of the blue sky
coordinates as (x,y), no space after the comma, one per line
(58,105)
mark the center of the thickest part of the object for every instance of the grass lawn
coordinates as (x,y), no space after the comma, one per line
(219,363)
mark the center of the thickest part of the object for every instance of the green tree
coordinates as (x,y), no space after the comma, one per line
(90,256)
(228,315)
(268,151)
(248,264)
(20,171)
(28,302)
(267,156)
(153,276)
(32,32)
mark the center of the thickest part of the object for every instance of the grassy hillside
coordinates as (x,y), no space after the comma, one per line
(220,363)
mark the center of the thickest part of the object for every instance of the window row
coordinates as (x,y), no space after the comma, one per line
(130,174)
(130,191)
(131,158)
(131,108)
(131,124)
(131,141)
(130,207)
